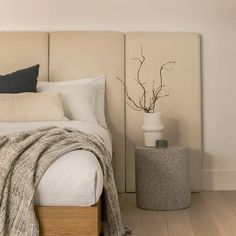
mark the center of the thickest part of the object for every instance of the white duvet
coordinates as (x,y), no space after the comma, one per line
(76,178)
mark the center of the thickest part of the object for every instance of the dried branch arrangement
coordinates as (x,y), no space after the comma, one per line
(144,103)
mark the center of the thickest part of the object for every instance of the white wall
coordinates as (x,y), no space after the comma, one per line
(214,19)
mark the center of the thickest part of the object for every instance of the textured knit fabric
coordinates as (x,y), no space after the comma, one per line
(25,156)
(31,107)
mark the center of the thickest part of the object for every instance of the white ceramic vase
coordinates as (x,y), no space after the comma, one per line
(152,128)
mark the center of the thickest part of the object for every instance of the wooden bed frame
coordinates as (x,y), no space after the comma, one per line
(71,221)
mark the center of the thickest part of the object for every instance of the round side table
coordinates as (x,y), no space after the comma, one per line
(162,178)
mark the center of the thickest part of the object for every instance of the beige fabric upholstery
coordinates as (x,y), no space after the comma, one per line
(182,109)
(20,50)
(31,107)
(76,55)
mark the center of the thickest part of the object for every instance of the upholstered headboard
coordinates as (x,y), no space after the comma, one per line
(23,49)
(75,55)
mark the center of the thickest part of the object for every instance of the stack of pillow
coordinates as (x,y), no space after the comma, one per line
(22,100)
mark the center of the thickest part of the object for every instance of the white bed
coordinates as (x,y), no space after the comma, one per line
(76,178)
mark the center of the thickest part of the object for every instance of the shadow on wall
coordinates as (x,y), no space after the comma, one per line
(171,131)
(172,134)
(208,175)
(118,155)
(130,164)
(196,166)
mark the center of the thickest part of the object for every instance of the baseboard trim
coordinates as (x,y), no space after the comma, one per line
(219,179)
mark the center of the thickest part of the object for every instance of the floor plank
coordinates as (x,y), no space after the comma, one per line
(223,215)
(130,214)
(211,214)
(201,218)
(178,223)
(230,199)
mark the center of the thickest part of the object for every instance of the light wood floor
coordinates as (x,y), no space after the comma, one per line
(211,214)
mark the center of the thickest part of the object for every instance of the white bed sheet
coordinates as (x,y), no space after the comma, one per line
(76,178)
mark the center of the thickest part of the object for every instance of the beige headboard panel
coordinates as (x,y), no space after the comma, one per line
(76,55)
(182,109)
(23,49)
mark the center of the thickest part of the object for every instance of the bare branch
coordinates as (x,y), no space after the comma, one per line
(155,92)
(141,100)
(156,96)
(141,61)
(127,94)
(168,63)
(136,58)
(136,109)
(139,82)
(154,103)
(162,96)
(142,53)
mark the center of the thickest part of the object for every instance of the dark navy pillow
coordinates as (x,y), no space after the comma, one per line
(20,81)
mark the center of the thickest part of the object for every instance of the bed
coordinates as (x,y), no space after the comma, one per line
(68,195)
(70,56)
(74,208)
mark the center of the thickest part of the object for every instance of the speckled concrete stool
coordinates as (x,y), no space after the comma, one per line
(162,178)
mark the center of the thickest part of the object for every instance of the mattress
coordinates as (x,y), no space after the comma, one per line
(76,178)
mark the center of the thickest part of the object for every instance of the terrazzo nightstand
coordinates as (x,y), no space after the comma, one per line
(162,178)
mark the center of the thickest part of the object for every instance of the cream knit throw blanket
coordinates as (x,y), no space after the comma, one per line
(25,156)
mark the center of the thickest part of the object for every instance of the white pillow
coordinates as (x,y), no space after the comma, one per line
(31,107)
(78,99)
(98,83)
